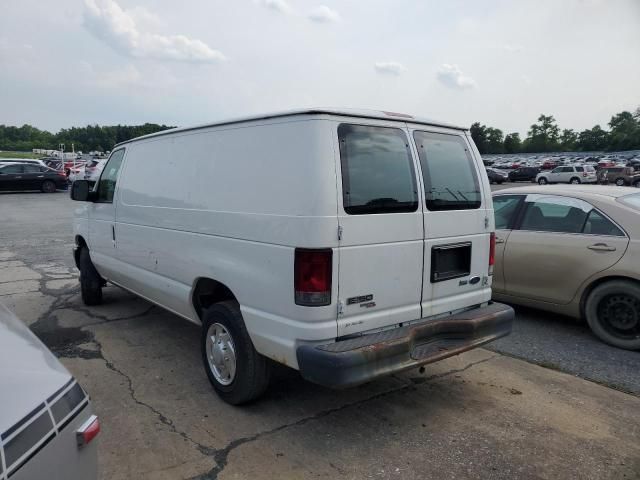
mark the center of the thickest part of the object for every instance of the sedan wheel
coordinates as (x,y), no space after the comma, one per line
(542,181)
(613,313)
(48,186)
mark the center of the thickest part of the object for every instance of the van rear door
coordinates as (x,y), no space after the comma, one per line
(380,226)
(458,221)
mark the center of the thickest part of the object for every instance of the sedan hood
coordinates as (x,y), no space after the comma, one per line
(29,372)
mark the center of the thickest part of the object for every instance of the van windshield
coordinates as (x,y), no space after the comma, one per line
(450,180)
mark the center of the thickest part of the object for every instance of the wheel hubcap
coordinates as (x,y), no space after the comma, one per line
(221,354)
(620,315)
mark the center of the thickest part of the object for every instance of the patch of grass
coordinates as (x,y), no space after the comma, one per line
(5,154)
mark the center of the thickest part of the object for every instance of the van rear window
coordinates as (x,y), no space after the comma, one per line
(450,179)
(377,170)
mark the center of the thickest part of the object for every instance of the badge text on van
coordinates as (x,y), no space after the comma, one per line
(360,299)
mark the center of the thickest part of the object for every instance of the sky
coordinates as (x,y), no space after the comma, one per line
(500,62)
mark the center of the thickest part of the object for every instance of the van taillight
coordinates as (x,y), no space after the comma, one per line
(492,252)
(312,277)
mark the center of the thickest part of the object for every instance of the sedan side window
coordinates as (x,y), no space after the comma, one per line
(109,177)
(12,169)
(505,208)
(598,224)
(555,214)
(32,169)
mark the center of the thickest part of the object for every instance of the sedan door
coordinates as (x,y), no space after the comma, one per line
(555,174)
(11,177)
(506,209)
(33,177)
(561,242)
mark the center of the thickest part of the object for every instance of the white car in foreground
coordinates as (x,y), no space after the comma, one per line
(47,425)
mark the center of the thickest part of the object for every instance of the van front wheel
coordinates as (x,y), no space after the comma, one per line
(238,373)
(90,280)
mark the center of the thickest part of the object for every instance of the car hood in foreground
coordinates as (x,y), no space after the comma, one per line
(29,372)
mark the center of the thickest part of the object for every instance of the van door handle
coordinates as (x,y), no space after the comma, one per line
(113,233)
(601,247)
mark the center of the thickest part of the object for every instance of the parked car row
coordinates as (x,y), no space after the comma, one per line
(550,162)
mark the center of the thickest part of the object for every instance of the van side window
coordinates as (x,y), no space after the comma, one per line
(377,170)
(107,182)
(449,174)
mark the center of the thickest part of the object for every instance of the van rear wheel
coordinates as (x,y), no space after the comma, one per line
(237,372)
(613,313)
(90,280)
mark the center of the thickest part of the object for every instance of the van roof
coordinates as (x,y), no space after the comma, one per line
(346,112)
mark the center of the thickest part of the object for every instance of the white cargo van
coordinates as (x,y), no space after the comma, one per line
(344,244)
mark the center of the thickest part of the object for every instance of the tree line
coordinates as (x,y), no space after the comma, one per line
(546,136)
(543,136)
(85,139)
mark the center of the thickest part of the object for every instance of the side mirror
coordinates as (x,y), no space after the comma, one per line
(81,191)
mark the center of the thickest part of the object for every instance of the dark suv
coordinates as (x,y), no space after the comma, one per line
(524,174)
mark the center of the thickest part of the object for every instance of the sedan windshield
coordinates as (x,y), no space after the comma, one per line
(632,201)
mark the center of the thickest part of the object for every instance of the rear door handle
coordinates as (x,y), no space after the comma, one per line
(499,240)
(601,247)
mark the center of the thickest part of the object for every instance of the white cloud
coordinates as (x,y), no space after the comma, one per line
(324,14)
(110,23)
(389,68)
(280,6)
(513,48)
(452,77)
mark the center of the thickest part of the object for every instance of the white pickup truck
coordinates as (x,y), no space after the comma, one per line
(345,244)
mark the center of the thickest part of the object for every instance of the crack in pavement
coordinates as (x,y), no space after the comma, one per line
(221,456)
(65,341)
(207,451)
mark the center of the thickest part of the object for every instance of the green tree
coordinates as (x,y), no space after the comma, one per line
(495,140)
(543,136)
(568,140)
(512,143)
(595,139)
(479,136)
(624,133)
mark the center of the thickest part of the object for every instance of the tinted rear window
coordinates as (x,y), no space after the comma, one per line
(377,170)
(450,179)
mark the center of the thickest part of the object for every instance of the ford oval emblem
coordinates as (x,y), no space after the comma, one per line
(474,280)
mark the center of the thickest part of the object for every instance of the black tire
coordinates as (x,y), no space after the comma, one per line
(620,182)
(613,313)
(90,280)
(252,371)
(637,184)
(48,186)
(499,182)
(542,181)
(574,181)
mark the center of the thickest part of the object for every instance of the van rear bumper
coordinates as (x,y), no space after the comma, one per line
(357,360)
